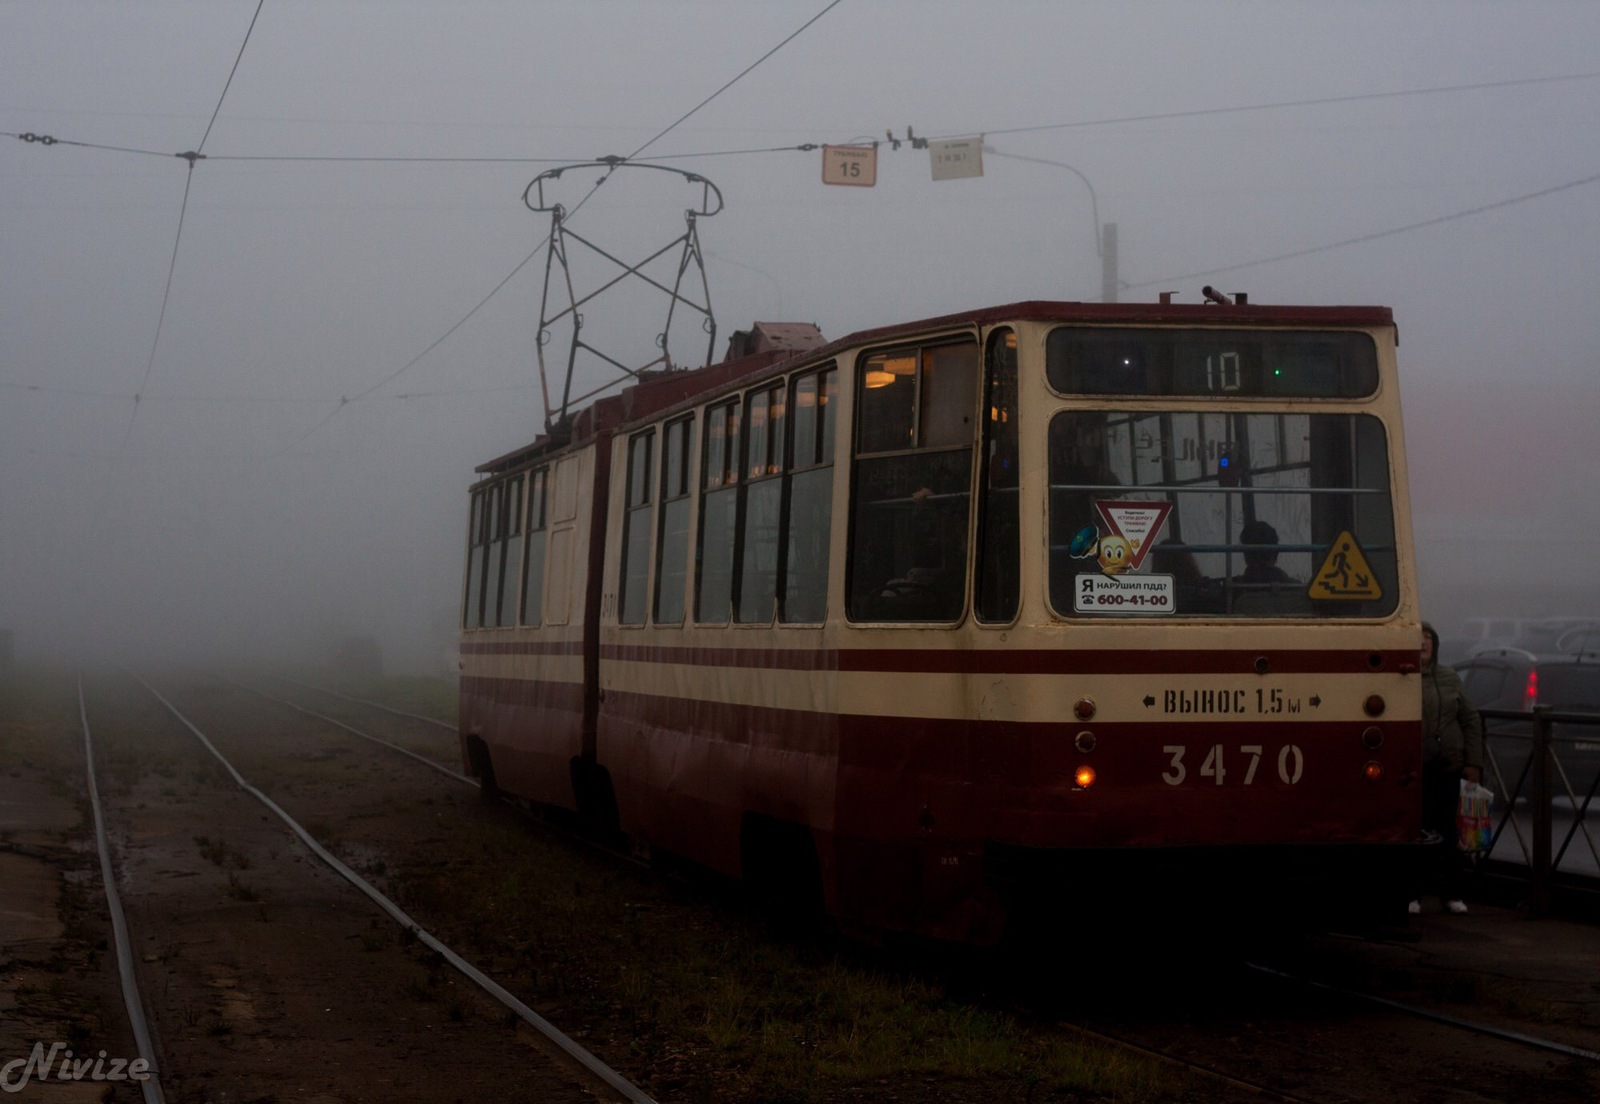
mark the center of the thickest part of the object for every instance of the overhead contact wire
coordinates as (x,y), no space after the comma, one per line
(674,125)
(1110,121)
(345,401)
(48,140)
(1281,105)
(1424,224)
(161,319)
(392,376)
(231,73)
(172,266)
(380,159)
(804,147)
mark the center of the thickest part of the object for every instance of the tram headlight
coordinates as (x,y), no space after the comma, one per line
(1372,771)
(1084,777)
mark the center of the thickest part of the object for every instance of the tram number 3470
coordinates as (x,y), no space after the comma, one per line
(1291,764)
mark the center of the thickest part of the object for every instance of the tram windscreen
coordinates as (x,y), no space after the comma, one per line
(1229,514)
(1110,360)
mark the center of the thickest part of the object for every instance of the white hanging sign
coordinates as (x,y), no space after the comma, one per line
(954,158)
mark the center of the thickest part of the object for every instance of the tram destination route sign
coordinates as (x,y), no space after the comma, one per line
(851,166)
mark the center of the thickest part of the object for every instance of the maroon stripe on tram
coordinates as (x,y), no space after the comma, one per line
(1016,661)
(524,693)
(1060,661)
(981,661)
(777,659)
(556,648)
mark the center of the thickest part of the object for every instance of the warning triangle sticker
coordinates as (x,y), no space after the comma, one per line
(1138,523)
(1345,575)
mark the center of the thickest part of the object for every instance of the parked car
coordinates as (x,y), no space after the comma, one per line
(1539,635)
(1516,680)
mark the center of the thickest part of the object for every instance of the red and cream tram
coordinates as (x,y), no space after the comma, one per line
(1030,603)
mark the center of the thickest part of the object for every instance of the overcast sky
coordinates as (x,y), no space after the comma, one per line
(240,504)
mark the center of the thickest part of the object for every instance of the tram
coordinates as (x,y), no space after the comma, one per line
(1022,608)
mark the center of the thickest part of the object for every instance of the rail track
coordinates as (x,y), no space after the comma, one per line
(592,1078)
(1228,1048)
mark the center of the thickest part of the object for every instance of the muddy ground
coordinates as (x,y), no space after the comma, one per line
(269,979)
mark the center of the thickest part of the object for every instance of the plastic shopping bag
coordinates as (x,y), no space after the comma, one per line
(1473,827)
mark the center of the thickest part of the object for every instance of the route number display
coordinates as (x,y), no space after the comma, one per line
(852,166)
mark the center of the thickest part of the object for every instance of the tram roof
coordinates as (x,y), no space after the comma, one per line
(658,392)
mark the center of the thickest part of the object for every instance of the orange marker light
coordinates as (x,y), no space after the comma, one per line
(1084,778)
(1373,771)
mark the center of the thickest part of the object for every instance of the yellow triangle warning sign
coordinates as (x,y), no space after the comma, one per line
(1345,574)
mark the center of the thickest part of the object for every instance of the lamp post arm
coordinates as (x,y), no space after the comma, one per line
(1094,202)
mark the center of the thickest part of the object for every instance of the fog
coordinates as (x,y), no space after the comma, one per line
(359,204)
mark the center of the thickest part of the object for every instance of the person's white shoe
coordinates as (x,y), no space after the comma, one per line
(1415,908)
(1457,906)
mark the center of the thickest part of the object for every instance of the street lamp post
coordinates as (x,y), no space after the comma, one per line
(1105,235)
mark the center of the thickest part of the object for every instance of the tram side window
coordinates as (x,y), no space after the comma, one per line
(912,483)
(493,553)
(810,498)
(509,546)
(533,548)
(996,578)
(636,530)
(719,499)
(477,562)
(757,597)
(672,549)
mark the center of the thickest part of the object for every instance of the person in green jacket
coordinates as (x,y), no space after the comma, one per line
(1452,750)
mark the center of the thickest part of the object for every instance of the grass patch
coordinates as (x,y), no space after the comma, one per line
(218,853)
(676,985)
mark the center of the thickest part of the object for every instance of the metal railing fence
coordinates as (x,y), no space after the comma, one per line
(1549,758)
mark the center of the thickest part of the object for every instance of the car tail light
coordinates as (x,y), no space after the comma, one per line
(1530,692)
